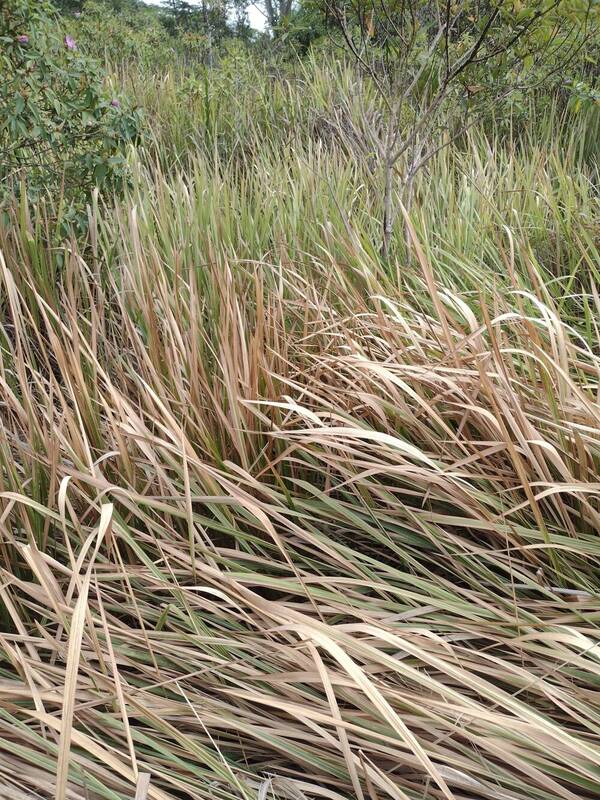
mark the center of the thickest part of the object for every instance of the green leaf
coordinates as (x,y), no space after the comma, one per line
(100,172)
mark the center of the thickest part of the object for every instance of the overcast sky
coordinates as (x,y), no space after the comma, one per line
(256,15)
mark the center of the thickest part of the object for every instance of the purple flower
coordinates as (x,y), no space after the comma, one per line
(23,39)
(115,103)
(70,43)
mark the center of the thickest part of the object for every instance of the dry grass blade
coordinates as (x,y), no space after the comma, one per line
(142,786)
(72,666)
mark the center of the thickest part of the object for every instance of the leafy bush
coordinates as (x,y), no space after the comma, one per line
(60,127)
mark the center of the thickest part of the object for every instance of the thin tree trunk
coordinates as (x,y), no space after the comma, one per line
(407,200)
(271,15)
(388,165)
(388,211)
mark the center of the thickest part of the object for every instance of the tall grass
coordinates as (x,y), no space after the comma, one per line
(280,520)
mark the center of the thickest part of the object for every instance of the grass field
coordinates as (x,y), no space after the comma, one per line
(278,518)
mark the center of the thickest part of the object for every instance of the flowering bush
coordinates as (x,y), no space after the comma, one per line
(60,128)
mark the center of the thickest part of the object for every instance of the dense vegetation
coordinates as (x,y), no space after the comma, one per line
(299,448)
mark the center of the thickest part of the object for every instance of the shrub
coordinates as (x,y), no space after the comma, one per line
(60,127)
